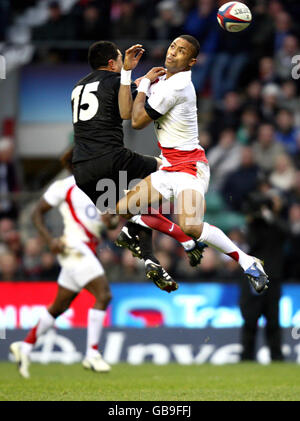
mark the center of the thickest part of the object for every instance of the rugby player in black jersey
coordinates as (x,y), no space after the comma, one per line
(99,154)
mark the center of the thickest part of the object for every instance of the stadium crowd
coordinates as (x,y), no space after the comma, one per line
(249,124)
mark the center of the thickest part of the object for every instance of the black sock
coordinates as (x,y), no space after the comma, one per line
(133,228)
(145,240)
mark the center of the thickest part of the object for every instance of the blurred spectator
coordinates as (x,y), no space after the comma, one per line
(253,95)
(283,57)
(267,232)
(223,158)
(132,269)
(49,268)
(31,261)
(226,115)
(289,99)
(231,58)
(205,139)
(9,267)
(248,129)
(168,24)
(130,24)
(5,14)
(283,28)
(8,179)
(292,267)
(293,195)
(282,177)
(91,25)
(201,23)
(262,30)
(58,27)
(286,132)
(10,237)
(234,191)
(111,263)
(266,149)
(266,71)
(269,106)
(209,268)
(230,269)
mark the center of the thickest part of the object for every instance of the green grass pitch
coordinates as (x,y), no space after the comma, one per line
(173,382)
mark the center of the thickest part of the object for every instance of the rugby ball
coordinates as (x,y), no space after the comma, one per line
(234,16)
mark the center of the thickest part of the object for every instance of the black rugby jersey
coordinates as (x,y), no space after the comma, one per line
(96,119)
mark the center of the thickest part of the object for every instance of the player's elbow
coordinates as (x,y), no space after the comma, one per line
(125,115)
(136,124)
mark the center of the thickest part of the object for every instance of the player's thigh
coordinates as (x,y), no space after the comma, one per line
(136,166)
(139,198)
(190,207)
(86,269)
(62,301)
(99,288)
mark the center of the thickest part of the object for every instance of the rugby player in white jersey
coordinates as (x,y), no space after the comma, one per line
(167,96)
(80,267)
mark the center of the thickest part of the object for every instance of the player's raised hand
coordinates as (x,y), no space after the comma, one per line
(155,72)
(132,56)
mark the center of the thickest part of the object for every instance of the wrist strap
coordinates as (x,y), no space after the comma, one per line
(125,77)
(144,85)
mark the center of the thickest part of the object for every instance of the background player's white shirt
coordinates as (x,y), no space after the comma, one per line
(74,204)
(175,98)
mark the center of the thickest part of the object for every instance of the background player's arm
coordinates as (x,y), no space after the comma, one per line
(140,117)
(110,221)
(55,244)
(131,59)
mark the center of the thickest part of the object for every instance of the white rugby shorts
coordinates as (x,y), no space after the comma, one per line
(170,184)
(78,269)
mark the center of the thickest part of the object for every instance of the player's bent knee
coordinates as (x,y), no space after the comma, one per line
(194,231)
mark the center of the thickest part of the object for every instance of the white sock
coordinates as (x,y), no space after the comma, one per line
(216,238)
(94,329)
(45,323)
(188,245)
(137,219)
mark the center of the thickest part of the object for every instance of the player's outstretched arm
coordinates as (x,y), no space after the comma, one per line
(55,244)
(140,118)
(131,59)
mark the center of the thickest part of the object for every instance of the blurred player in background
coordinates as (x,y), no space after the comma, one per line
(80,267)
(99,154)
(167,97)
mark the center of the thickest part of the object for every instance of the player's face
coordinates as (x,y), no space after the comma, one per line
(179,56)
(119,62)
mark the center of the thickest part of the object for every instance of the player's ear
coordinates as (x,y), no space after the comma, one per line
(192,62)
(111,64)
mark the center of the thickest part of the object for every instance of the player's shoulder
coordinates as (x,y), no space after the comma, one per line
(103,76)
(180,81)
(64,183)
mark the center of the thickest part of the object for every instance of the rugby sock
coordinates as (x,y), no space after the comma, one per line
(145,239)
(216,238)
(157,221)
(94,329)
(45,323)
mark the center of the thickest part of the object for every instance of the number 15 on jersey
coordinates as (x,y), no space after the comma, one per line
(84,96)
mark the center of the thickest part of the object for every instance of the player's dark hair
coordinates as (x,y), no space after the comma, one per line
(194,42)
(101,52)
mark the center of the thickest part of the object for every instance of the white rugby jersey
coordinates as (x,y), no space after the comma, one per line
(82,220)
(175,100)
